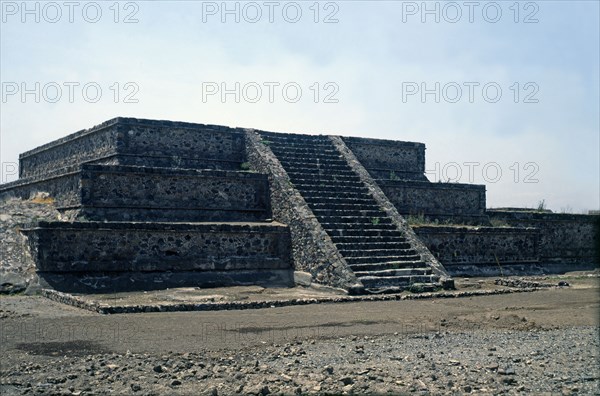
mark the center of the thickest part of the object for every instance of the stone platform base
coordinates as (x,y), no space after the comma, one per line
(131,193)
(111,256)
(101,283)
(521,269)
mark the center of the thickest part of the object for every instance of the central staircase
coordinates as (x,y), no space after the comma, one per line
(381,257)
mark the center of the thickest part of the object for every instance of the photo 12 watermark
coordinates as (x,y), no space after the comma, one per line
(469,92)
(40,332)
(69,11)
(9,172)
(269,12)
(488,172)
(269,92)
(469,11)
(265,333)
(69,91)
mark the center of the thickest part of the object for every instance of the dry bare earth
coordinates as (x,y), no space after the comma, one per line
(545,341)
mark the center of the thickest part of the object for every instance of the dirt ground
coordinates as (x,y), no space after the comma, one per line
(42,340)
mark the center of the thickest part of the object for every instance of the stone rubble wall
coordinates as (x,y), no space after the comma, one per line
(564,238)
(389,159)
(483,251)
(125,247)
(65,154)
(158,171)
(399,169)
(447,202)
(313,251)
(180,145)
(122,193)
(159,194)
(129,141)
(17,267)
(64,188)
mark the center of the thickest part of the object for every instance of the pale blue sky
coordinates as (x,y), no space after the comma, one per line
(370,54)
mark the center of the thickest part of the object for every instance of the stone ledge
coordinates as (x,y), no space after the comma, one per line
(80,302)
(122,121)
(452,229)
(178,226)
(107,283)
(382,142)
(383,183)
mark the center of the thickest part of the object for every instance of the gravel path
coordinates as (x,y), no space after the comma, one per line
(564,361)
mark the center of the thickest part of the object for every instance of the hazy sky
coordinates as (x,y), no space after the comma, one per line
(504,94)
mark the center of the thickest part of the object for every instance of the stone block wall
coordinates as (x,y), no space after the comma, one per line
(564,238)
(63,188)
(123,247)
(125,193)
(128,141)
(94,144)
(446,202)
(159,194)
(483,251)
(180,145)
(389,159)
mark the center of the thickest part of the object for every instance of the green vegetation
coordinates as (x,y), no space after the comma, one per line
(499,223)
(541,205)
(418,219)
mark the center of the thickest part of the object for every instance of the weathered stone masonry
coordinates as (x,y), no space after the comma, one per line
(399,168)
(152,204)
(122,193)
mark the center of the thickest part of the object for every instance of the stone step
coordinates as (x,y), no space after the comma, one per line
(370,242)
(322,177)
(376,252)
(357,226)
(364,233)
(400,244)
(387,266)
(322,213)
(328,185)
(334,194)
(312,162)
(305,151)
(339,200)
(367,240)
(279,145)
(320,170)
(383,281)
(382,259)
(294,136)
(354,220)
(357,222)
(395,272)
(345,206)
(283,139)
(330,191)
(302,154)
